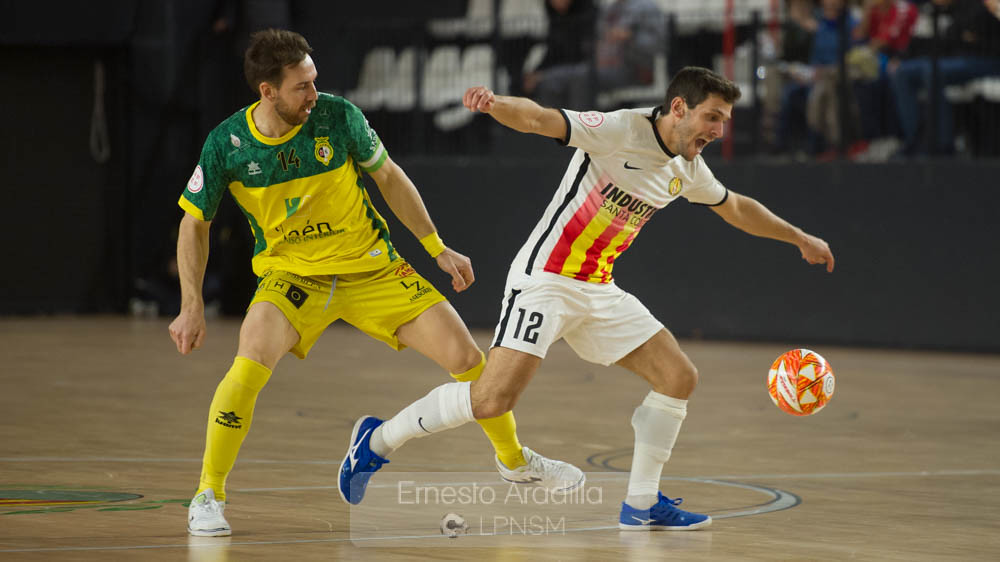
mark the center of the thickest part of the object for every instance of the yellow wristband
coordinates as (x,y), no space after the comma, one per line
(433,244)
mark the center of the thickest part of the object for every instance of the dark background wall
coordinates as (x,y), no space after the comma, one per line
(916,242)
(916,248)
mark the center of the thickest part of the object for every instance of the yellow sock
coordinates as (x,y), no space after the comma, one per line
(229,420)
(501,430)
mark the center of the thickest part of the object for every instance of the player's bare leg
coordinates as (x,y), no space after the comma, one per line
(657,422)
(664,365)
(265,336)
(440,335)
(507,374)
(451,405)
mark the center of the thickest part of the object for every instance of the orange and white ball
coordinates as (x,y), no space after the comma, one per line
(800,382)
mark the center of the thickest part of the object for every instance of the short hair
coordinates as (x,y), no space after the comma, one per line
(270,51)
(694,84)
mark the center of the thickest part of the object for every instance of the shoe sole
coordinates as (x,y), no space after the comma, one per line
(693,527)
(347,455)
(566,490)
(210,533)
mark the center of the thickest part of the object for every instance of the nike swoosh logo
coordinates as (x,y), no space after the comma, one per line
(642,521)
(420,419)
(354,449)
(627,167)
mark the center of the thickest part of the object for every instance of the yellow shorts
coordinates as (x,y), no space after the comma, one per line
(375,302)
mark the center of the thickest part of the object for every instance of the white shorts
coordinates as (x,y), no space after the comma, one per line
(602,323)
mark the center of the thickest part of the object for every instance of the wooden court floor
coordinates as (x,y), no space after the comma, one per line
(102,427)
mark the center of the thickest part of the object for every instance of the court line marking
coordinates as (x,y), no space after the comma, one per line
(308,541)
(943,472)
(780,500)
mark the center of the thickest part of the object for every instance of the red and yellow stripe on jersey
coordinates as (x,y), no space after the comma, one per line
(597,233)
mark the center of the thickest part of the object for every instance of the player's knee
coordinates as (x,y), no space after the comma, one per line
(486,405)
(679,380)
(492,408)
(465,359)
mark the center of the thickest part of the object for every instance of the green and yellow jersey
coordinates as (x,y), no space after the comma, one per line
(302,193)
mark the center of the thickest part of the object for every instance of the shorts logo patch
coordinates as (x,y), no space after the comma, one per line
(197,180)
(294,294)
(591,118)
(419,290)
(405,270)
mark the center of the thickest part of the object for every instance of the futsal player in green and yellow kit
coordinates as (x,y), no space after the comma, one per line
(293,163)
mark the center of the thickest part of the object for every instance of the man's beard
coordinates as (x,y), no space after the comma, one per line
(288,116)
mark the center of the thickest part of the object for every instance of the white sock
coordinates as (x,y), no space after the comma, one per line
(445,407)
(656,422)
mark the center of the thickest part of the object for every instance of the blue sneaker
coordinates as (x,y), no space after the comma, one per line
(663,516)
(360,463)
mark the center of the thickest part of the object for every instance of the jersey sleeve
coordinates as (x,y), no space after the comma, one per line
(596,132)
(706,189)
(363,142)
(208,183)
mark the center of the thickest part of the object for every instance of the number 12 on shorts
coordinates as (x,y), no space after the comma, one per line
(531,330)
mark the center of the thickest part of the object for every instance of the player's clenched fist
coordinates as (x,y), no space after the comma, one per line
(479,98)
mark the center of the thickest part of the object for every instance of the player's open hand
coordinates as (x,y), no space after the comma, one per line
(458,266)
(479,98)
(816,250)
(188,331)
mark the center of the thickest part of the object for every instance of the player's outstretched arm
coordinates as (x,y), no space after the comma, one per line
(404,200)
(747,214)
(520,114)
(188,329)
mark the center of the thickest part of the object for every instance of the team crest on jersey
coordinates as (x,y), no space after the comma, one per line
(235,140)
(197,180)
(675,186)
(591,118)
(323,151)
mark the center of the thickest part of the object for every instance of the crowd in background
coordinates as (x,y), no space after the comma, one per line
(896,77)
(899,56)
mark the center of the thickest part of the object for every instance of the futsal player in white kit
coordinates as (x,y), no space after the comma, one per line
(628,164)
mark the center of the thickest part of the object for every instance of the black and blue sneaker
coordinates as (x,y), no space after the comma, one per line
(360,463)
(663,516)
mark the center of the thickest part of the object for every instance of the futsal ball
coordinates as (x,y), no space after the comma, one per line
(800,382)
(453,525)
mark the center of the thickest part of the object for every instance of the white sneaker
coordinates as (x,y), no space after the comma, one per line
(205,517)
(558,476)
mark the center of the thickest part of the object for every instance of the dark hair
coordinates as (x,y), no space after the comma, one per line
(269,52)
(694,84)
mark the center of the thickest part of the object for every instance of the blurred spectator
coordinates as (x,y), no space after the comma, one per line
(797,32)
(886,27)
(969,48)
(885,31)
(630,33)
(823,58)
(568,45)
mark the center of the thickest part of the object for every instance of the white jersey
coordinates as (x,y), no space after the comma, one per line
(620,175)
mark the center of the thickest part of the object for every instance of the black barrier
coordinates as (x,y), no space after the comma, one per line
(915,248)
